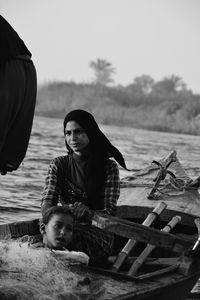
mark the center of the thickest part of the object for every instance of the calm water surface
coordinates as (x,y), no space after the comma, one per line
(21,190)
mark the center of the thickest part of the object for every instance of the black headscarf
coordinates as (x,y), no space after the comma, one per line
(101,149)
(99,143)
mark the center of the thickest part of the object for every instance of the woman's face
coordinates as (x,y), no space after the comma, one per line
(76,137)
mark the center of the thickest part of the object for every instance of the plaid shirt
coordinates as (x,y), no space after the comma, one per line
(55,185)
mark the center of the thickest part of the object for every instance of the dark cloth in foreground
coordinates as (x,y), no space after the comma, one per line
(18,85)
(11,44)
(17,102)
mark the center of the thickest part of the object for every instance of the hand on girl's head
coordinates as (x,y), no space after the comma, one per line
(80,210)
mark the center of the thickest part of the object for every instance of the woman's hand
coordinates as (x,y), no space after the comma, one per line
(81,211)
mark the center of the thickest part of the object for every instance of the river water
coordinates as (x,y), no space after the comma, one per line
(20,191)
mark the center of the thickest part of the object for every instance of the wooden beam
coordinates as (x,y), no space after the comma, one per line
(144,234)
(149,248)
(152,216)
(138,212)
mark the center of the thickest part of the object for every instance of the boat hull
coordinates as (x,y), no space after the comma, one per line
(134,205)
(173,285)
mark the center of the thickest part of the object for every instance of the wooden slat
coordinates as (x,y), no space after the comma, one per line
(125,276)
(140,212)
(149,248)
(131,242)
(144,234)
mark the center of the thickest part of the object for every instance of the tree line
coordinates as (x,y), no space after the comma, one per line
(166,105)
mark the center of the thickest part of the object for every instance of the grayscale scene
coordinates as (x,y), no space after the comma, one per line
(99,149)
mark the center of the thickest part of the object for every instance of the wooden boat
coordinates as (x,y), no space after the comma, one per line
(157,252)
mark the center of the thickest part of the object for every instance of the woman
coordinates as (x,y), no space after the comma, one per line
(87,179)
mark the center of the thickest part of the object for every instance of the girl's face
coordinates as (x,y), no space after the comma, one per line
(76,137)
(57,233)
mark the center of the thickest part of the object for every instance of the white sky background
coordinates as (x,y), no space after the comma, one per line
(153,37)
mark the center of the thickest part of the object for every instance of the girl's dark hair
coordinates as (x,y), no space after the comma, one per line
(56,210)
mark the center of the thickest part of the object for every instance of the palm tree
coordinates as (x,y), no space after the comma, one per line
(103,71)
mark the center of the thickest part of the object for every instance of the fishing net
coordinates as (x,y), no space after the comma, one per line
(38,274)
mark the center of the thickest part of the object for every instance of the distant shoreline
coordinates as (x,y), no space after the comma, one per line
(122,106)
(57,116)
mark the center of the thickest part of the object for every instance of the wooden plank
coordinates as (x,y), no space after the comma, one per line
(140,212)
(144,234)
(152,216)
(149,248)
(186,200)
(128,277)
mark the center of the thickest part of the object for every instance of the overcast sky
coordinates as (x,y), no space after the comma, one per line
(154,37)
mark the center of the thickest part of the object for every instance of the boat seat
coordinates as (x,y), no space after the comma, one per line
(18,229)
